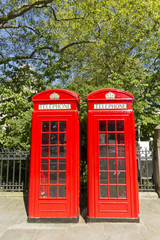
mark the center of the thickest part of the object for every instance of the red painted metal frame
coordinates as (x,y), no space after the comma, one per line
(58,208)
(111,208)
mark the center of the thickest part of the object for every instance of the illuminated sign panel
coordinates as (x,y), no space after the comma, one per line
(54,106)
(111,106)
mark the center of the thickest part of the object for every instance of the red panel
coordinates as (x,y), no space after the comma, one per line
(112,167)
(54,168)
(112,207)
(53,207)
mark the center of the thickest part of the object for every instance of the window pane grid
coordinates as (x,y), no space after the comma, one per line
(112,174)
(53,159)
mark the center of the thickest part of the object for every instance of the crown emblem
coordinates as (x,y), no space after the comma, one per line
(54,96)
(110,95)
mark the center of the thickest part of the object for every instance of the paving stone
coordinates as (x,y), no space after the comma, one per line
(125,231)
(148,195)
(141,226)
(56,234)
(9,216)
(3,228)
(150,236)
(13,225)
(15,203)
(38,226)
(4,201)
(128,235)
(19,235)
(118,228)
(149,207)
(13,211)
(82,232)
(152,223)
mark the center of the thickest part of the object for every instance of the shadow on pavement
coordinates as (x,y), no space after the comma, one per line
(25,199)
(83,204)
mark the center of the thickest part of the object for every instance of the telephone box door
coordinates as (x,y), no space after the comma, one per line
(112,190)
(53,180)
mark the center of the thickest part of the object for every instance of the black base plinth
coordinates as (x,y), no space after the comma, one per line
(131,220)
(53,220)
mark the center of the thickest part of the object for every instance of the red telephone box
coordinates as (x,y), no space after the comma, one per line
(54,167)
(112,166)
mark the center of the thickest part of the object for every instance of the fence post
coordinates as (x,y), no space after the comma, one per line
(157,160)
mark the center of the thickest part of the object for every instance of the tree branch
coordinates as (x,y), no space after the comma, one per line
(38,49)
(65,19)
(2,12)
(20,26)
(76,43)
(16,12)
(154,62)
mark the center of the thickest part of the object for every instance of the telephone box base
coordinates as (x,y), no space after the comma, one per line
(53,220)
(131,220)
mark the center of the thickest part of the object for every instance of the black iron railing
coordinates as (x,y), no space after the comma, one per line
(14,168)
(145,170)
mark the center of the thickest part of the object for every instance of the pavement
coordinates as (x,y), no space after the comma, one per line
(14,226)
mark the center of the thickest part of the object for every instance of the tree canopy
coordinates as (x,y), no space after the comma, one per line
(80,45)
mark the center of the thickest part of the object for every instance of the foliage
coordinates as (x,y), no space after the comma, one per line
(124,54)
(80,45)
(16,106)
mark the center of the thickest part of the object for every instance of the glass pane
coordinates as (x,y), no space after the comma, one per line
(102,151)
(120,125)
(103,164)
(62,138)
(111,138)
(53,151)
(62,126)
(62,177)
(112,178)
(102,138)
(122,191)
(62,164)
(62,192)
(103,191)
(111,126)
(122,178)
(103,177)
(53,139)
(52,191)
(111,151)
(44,164)
(44,151)
(62,151)
(53,178)
(53,164)
(121,164)
(121,151)
(120,138)
(44,178)
(112,164)
(54,126)
(102,126)
(45,126)
(45,138)
(43,191)
(113,191)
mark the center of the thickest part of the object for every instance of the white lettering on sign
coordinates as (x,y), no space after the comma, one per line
(53,106)
(110,106)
